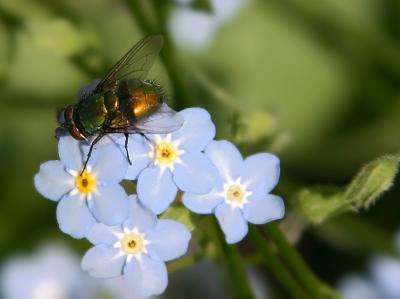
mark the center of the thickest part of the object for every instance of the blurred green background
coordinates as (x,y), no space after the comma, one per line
(316,82)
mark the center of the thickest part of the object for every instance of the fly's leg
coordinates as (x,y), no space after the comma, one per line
(97,139)
(145,137)
(126,148)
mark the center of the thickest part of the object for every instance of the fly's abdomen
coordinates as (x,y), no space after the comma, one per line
(92,113)
(141,97)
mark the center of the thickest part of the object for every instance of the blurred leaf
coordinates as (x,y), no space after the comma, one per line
(256,125)
(319,204)
(181,214)
(58,36)
(353,233)
(202,5)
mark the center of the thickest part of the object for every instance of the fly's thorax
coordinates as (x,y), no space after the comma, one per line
(92,113)
(141,98)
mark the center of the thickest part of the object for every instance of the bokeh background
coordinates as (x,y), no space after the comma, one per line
(315,82)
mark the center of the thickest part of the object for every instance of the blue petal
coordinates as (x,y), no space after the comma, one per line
(74,217)
(226,157)
(139,150)
(196,174)
(146,277)
(261,171)
(103,234)
(71,152)
(52,181)
(110,204)
(139,217)
(156,190)
(103,262)
(232,223)
(197,131)
(110,164)
(168,240)
(202,204)
(261,211)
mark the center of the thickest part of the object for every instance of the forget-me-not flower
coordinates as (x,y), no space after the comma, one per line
(242,192)
(164,163)
(137,249)
(85,197)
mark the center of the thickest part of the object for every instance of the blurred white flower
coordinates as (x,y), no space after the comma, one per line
(357,287)
(52,273)
(195,30)
(383,281)
(385,272)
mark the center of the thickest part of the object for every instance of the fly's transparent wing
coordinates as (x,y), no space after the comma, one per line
(163,121)
(135,64)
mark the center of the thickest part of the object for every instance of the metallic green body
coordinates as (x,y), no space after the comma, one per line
(130,100)
(92,114)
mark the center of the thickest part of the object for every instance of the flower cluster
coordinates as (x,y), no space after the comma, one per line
(129,240)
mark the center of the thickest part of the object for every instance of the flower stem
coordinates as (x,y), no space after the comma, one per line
(275,266)
(296,264)
(230,256)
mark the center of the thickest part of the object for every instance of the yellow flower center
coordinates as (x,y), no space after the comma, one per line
(235,194)
(165,153)
(85,182)
(132,243)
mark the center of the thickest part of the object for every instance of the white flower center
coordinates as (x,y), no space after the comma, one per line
(235,193)
(49,289)
(85,183)
(166,152)
(132,243)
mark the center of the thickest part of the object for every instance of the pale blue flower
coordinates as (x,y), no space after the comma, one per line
(242,192)
(52,273)
(94,195)
(137,249)
(164,163)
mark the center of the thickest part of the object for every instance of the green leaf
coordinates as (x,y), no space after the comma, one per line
(181,214)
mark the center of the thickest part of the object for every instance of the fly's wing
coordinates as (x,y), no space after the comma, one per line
(163,121)
(135,64)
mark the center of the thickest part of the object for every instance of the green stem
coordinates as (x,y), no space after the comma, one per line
(230,256)
(275,266)
(295,262)
(215,91)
